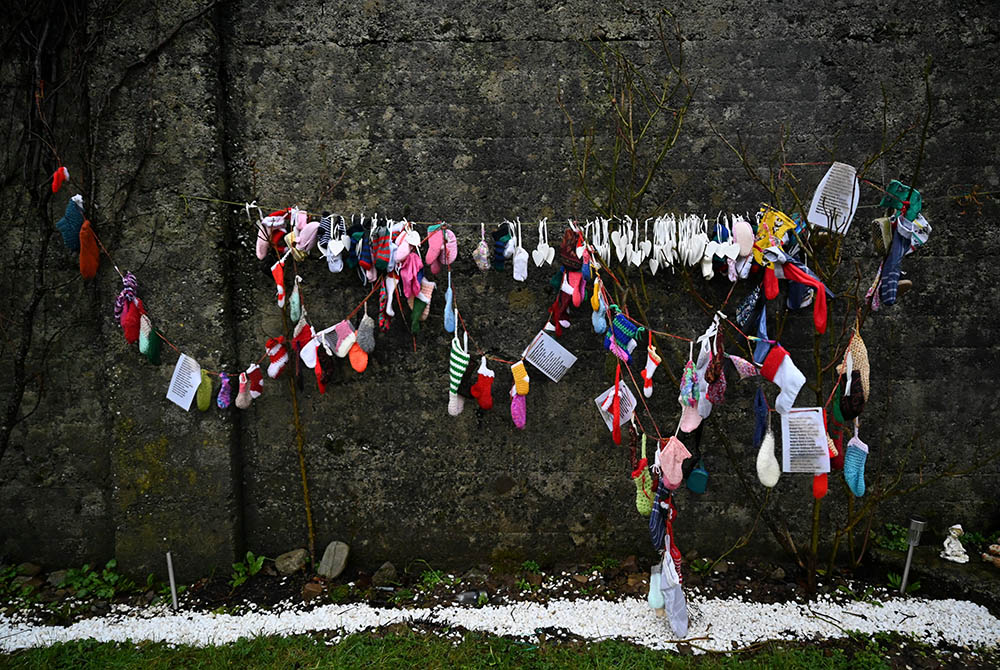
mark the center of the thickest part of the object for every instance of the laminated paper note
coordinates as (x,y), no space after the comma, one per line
(626,403)
(803,441)
(184,382)
(552,358)
(836,199)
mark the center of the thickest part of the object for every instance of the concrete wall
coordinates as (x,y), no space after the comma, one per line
(449,111)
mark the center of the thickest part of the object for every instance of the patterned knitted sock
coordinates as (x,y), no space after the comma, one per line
(482,390)
(277,352)
(225,392)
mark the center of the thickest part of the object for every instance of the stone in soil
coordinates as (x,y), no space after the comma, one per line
(291,561)
(311,590)
(630,564)
(28,569)
(581,579)
(385,575)
(55,579)
(534,579)
(722,567)
(475,577)
(636,578)
(777,574)
(334,560)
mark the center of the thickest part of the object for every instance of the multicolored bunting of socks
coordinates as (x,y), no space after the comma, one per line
(225,392)
(482,390)
(278,272)
(652,361)
(203,395)
(458,361)
(277,352)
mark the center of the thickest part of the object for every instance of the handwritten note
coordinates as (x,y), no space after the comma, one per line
(552,358)
(626,403)
(184,382)
(803,441)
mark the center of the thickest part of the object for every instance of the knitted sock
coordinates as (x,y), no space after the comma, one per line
(390,289)
(518,408)
(421,305)
(358,357)
(744,368)
(854,465)
(305,343)
(643,487)
(130,320)
(380,248)
(820,484)
(558,311)
(449,308)
(58,178)
(256,380)
(500,238)
(670,458)
(482,390)
(295,301)
(71,222)
(450,252)
(521,378)
(225,392)
(458,362)
(598,318)
(652,361)
(277,239)
(345,338)
(277,352)
(595,297)
(278,272)
(520,264)
(263,243)
(153,342)
(366,334)
(384,301)
(481,255)
(90,258)
(575,280)
(779,368)
(204,393)
(145,334)
(365,260)
(768,469)
(243,397)
(891,269)
(567,250)
(435,243)
(305,240)
(760,412)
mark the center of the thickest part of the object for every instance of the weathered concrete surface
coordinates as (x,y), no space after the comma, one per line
(448,110)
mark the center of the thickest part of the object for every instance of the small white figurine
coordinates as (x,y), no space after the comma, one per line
(953,549)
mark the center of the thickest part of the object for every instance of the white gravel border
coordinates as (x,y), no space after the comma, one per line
(718,624)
